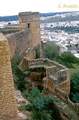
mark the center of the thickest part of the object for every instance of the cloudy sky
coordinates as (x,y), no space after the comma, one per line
(11,7)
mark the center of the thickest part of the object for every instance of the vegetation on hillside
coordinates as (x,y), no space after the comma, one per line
(18,75)
(74,96)
(68,59)
(51,52)
(42,107)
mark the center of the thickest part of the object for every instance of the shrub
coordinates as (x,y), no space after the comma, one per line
(18,75)
(42,107)
(29,107)
(41,115)
(33,94)
(74,95)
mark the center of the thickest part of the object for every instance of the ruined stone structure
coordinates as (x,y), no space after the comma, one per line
(8,107)
(55,76)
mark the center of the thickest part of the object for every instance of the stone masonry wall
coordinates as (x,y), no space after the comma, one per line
(19,42)
(8,108)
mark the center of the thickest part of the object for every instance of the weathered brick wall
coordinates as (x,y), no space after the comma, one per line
(8,108)
(50,86)
(65,86)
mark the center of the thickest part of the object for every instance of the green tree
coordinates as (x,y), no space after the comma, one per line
(51,50)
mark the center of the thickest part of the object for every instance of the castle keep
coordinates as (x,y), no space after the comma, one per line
(31,21)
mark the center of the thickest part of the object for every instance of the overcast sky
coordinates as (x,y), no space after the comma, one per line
(12,7)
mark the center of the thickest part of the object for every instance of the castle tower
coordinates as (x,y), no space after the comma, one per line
(31,22)
(8,108)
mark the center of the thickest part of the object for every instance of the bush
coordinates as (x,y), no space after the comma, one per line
(74,95)
(18,75)
(42,107)
(29,107)
(41,115)
(34,94)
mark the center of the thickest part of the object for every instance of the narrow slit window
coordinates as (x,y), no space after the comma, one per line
(28,25)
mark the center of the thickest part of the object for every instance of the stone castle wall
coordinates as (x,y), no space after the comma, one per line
(8,108)
(19,42)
